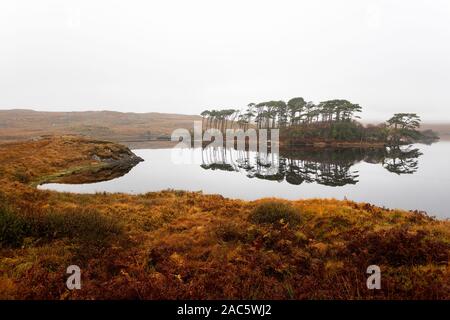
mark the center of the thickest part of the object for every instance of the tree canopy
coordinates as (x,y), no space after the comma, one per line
(279,114)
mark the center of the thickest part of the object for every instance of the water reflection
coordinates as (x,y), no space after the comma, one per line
(402,160)
(324,166)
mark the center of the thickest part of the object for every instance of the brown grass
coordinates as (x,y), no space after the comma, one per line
(184,245)
(18,125)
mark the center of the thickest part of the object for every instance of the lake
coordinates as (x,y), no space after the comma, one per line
(412,177)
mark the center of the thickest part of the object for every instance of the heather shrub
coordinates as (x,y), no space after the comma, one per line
(84,226)
(275,211)
(13,228)
(22,176)
(231,231)
(399,246)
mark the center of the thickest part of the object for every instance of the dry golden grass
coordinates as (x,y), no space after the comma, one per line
(184,245)
(18,125)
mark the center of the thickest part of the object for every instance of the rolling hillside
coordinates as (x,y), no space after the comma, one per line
(18,125)
(25,124)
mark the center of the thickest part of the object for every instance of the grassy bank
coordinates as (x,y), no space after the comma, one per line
(184,245)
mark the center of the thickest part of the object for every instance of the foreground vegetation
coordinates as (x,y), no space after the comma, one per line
(184,245)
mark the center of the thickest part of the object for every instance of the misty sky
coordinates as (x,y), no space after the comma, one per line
(186,56)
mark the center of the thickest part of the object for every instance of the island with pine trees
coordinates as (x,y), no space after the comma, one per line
(328,123)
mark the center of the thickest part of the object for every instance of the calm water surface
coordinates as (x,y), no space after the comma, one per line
(410,177)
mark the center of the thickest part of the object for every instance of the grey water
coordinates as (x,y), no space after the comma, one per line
(414,177)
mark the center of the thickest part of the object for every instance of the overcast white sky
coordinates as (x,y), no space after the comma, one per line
(185,56)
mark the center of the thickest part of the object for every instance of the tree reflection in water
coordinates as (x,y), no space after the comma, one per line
(325,166)
(402,160)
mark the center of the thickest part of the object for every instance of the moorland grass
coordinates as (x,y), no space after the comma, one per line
(187,245)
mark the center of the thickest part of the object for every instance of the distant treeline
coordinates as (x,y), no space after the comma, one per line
(303,121)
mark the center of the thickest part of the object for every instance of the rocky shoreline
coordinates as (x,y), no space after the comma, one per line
(65,159)
(116,162)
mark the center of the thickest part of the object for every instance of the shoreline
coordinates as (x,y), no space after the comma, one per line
(179,245)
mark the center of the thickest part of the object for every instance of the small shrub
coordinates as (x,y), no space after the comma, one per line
(229,231)
(87,227)
(300,237)
(399,246)
(13,228)
(22,176)
(275,211)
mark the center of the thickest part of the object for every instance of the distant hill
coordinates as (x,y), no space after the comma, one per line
(117,126)
(443,129)
(109,125)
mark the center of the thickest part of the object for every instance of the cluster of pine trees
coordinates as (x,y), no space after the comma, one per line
(299,120)
(279,114)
